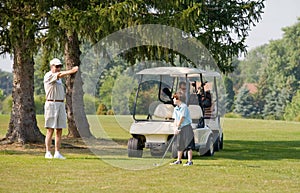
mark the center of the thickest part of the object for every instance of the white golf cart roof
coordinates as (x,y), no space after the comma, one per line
(177,71)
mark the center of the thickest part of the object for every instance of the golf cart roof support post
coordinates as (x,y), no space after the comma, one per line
(202,91)
(172,88)
(201,80)
(159,90)
(177,83)
(136,96)
(187,91)
(216,91)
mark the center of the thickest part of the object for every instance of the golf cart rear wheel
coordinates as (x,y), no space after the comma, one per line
(217,145)
(221,143)
(134,148)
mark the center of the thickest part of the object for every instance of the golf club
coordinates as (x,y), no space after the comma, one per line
(158,164)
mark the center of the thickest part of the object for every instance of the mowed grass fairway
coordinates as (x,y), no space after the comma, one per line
(258,156)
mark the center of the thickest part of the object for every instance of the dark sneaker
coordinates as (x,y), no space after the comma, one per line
(176,162)
(188,163)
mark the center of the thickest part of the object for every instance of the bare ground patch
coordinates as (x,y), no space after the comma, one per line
(69,145)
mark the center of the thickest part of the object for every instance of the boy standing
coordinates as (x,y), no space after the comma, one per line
(184,130)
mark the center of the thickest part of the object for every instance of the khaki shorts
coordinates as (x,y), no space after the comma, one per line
(55,115)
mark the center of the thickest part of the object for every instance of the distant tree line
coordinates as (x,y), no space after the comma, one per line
(275,70)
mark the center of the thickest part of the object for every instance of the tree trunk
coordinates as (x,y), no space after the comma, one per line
(78,125)
(23,125)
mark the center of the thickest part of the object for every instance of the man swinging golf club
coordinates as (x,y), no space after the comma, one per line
(55,111)
(184,131)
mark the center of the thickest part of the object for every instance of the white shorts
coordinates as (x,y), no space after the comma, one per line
(55,115)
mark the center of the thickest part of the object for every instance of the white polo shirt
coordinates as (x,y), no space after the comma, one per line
(53,86)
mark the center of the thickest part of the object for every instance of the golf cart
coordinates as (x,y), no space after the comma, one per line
(153,126)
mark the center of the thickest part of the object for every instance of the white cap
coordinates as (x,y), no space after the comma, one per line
(55,62)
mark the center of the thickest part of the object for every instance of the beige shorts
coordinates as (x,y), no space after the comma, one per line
(55,115)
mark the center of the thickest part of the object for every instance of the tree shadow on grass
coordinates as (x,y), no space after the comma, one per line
(233,149)
(259,150)
(96,147)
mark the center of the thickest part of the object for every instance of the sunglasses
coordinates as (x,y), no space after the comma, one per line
(58,66)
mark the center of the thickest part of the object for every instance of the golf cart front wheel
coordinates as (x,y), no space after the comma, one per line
(134,148)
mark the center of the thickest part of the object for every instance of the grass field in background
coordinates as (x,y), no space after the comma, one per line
(258,156)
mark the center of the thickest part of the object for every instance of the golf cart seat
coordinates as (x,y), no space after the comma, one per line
(164,111)
(195,112)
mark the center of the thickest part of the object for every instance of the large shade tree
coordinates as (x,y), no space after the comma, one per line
(19,25)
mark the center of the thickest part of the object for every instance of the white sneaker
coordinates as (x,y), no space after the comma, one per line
(48,155)
(57,155)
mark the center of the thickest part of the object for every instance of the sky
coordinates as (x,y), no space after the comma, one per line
(277,15)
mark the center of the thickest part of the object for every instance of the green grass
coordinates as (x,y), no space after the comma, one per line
(258,156)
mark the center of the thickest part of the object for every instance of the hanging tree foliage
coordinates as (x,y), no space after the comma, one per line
(222,26)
